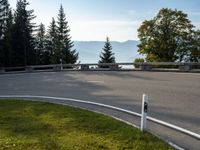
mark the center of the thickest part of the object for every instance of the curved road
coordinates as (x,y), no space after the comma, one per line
(174,97)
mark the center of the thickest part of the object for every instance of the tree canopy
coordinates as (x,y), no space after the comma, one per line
(23,43)
(168,37)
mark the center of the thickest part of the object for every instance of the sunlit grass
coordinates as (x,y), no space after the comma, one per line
(36,126)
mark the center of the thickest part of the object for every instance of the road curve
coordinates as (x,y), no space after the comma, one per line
(174,97)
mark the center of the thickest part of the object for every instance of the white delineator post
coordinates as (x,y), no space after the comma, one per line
(144,112)
(61,64)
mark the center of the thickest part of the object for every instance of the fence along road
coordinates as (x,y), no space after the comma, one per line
(173,97)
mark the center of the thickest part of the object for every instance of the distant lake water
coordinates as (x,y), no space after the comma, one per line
(89,51)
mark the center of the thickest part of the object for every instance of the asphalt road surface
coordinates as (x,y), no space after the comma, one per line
(173,97)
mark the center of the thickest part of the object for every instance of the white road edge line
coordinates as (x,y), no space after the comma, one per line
(175,146)
(95,81)
(185,131)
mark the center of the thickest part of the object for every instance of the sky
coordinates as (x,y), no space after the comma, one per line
(93,20)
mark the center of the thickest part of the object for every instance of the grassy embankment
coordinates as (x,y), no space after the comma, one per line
(36,126)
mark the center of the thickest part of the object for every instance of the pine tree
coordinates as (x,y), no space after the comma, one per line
(4,9)
(64,47)
(42,54)
(52,41)
(9,53)
(107,56)
(23,39)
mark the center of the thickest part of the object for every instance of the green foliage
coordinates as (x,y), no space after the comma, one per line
(8,47)
(23,40)
(21,44)
(4,10)
(4,14)
(64,45)
(107,56)
(139,60)
(38,126)
(42,54)
(194,52)
(167,37)
(52,40)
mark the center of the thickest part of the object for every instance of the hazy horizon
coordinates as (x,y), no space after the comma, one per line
(105,41)
(89,51)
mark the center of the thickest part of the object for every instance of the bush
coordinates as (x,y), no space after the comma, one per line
(138,60)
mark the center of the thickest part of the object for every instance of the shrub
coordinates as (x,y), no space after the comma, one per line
(138,60)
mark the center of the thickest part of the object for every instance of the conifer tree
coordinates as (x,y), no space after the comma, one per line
(23,39)
(107,56)
(4,9)
(52,41)
(64,47)
(8,47)
(42,54)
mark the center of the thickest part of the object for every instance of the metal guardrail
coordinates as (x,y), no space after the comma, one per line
(182,130)
(152,66)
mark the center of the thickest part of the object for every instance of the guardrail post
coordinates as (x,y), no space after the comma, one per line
(144,112)
(61,64)
(185,67)
(2,70)
(57,68)
(145,67)
(114,67)
(29,69)
(85,67)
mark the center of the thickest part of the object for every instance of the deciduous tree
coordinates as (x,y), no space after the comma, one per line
(166,37)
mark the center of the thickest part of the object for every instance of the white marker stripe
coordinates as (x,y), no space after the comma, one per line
(176,146)
(22,74)
(195,135)
(95,81)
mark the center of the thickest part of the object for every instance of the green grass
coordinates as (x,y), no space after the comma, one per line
(37,126)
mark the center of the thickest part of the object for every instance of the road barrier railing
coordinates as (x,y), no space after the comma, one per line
(153,66)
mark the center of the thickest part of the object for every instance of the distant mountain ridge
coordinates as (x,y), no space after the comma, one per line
(89,51)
